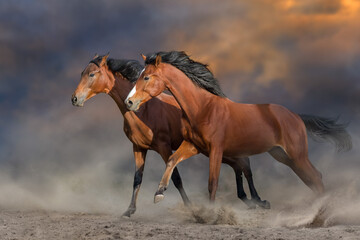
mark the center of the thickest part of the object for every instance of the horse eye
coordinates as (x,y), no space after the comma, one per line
(146,78)
(91,74)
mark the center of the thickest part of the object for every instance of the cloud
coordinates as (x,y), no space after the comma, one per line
(262,43)
(315,7)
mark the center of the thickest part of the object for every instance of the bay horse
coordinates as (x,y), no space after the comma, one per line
(218,127)
(157,126)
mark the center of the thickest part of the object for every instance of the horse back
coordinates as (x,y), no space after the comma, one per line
(256,128)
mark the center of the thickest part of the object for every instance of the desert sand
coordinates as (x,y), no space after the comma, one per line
(317,221)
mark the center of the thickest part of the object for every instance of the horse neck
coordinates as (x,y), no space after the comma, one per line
(120,91)
(190,97)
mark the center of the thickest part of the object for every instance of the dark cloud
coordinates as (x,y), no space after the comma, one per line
(310,58)
(316,6)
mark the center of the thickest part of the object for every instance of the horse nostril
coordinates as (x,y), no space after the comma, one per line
(74,99)
(129,103)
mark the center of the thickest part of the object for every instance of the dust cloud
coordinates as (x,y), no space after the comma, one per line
(85,164)
(205,214)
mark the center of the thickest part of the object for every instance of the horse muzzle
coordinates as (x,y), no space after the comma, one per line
(78,102)
(132,105)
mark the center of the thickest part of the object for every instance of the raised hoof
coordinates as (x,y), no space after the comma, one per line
(128,213)
(158,198)
(264,204)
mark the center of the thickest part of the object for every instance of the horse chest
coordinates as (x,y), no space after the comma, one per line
(138,133)
(192,135)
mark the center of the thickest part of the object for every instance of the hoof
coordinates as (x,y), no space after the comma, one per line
(128,213)
(158,198)
(264,204)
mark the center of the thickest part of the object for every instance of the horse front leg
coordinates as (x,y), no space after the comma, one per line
(215,159)
(139,155)
(185,151)
(165,152)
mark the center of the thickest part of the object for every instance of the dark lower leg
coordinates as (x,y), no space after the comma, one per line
(175,177)
(253,192)
(136,187)
(236,165)
(254,195)
(239,186)
(240,189)
(244,163)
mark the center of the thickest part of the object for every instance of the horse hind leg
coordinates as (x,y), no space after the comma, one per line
(309,175)
(239,182)
(239,166)
(175,177)
(302,167)
(244,164)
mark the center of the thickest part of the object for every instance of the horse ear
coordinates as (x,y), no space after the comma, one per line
(96,56)
(157,60)
(143,56)
(103,60)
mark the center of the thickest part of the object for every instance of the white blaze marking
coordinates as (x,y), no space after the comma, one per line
(142,72)
(132,92)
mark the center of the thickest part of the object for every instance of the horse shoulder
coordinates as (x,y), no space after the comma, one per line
(137,131)
(212,123)
(165,115)
(169,99)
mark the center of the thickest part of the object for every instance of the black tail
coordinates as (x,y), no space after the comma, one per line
(320,128)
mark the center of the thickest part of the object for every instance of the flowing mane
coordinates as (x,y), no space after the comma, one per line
(130,69)
(197,72)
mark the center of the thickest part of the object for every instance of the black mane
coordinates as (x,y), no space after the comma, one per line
(197,72)
(130,69)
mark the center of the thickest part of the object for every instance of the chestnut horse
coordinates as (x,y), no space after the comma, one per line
(217,127)
(157,126)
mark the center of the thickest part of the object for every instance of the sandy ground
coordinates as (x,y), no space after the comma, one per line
(175,223)
(94,212)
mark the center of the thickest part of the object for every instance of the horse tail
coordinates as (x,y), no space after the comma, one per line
(328,129)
